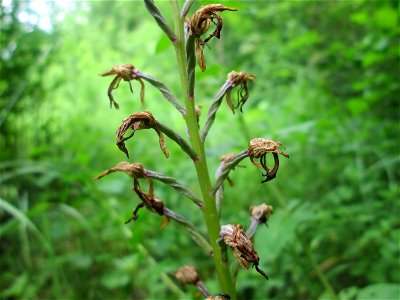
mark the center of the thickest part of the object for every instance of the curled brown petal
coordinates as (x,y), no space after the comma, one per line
(238,79)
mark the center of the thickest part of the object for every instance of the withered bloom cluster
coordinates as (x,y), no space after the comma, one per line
(200,23)
(242,247)
(238,79)
(259,148)
(138,121)
(126,72)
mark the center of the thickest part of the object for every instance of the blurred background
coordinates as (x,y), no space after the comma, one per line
(327,87)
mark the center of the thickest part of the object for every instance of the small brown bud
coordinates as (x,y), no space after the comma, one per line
(126,72)
(221,296)
(138,121)
(261,213)
(235,79)
(242,247)
(187,275)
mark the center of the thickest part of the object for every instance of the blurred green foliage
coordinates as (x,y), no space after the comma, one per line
(327,87)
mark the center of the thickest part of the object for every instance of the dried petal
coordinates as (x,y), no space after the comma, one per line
(134,170)
(187,275)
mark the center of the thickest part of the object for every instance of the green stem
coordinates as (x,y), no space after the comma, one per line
(210,211)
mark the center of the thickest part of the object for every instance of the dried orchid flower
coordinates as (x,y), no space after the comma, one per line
(138,121)
(200,23)
(188,275)
(242,247)
(235,79)
(149,201)
(259,148)
(127,72)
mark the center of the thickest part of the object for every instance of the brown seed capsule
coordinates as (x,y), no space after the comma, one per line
(242,247)
(138,121)
(241,79)
(126,72)
(187,275)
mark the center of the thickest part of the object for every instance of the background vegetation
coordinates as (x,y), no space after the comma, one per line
(327,87)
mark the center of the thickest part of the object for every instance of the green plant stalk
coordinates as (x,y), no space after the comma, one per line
(209,211)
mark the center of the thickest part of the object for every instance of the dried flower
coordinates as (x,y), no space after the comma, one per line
(187,275)
(135,171)
(149,201)
(138,121)
(235,79)
(241,245)
(199,24)
(261,212)
(259,148)
(127,72)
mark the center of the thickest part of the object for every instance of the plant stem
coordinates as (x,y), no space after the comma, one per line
(209,211)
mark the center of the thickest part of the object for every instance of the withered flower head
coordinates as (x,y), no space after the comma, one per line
(242,247)
(149,201)
(127,72)
(199,24)
(235,79)
(259,148)
(187,275)
(138,121)
(261,213)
